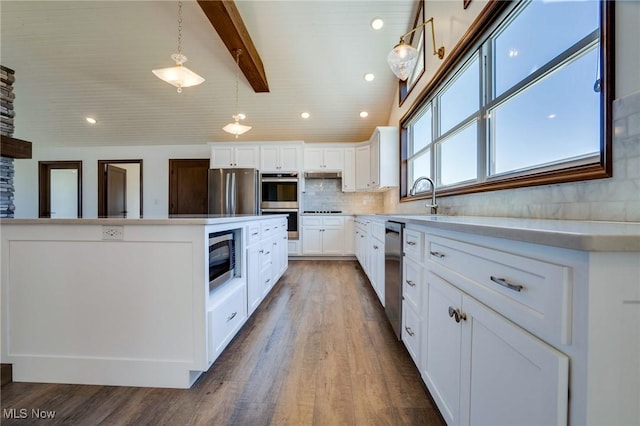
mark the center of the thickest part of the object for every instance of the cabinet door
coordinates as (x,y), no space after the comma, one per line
(255,288)
(377,269)
(509,376)
(311,240)
(374,164)
(349,235)
(442,372)
(289,158)
(349,171)
(313,159)
(269,159)
(222,157)
(363,167)
(333,158)
(246,157)
(332,241)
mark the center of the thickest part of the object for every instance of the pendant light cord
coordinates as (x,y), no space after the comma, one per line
(180,28)
(238,52)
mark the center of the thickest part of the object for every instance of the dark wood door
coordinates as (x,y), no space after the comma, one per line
(188,183)
(116,191)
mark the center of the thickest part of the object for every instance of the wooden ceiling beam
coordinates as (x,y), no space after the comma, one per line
(225,18)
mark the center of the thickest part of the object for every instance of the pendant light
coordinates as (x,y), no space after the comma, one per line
(236,128)
(179,76)
(403,57)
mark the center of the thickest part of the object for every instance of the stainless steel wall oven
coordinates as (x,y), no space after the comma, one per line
(222,257)
(280,195)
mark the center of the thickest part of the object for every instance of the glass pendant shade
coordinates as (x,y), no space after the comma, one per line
(179,76)
(402,59)
(236,128)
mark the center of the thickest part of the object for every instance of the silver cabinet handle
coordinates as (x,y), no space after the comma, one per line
(268,279)
(232,316)
(507,284)
(261,251)
(267,252)
(255,233)
(411,283)
(375,247)
(411,243)
(457,315)
(409,331)
(437,254)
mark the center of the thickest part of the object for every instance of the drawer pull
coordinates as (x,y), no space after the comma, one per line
(267,252)
(232,316)
(375,247)
(411,243)
(267,281)
(507,284)
(261,251)
(409,331)
(457,315)
(255,233)
(437,254)
(411,283)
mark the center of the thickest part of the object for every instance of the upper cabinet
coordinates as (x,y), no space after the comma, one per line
(363,167)
(234,156)
(384,158)
(281,158)
(349,171)
(326,158)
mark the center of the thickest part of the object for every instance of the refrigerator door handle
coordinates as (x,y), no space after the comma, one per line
(234,193)
(227,193)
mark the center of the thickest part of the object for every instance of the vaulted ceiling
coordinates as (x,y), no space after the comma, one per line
(76,59)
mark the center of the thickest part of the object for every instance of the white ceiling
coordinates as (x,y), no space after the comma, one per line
(78,58)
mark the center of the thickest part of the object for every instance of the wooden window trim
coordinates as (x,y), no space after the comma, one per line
(597,170)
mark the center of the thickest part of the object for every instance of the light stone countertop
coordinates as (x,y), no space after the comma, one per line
(572,234)
(174,220)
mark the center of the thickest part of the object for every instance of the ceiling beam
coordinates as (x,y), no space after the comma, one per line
(225,18)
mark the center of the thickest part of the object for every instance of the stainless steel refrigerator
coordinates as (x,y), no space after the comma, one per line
(234,191)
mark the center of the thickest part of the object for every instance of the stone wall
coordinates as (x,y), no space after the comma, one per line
(7,190)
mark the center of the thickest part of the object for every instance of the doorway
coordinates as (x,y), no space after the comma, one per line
(188,182)
(60,189)
(120,188)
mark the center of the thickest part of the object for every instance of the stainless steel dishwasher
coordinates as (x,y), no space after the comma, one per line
(393,274)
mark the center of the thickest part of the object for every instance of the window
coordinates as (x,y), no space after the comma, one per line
(526,101)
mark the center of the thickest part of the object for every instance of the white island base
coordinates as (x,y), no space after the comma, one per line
(136,311)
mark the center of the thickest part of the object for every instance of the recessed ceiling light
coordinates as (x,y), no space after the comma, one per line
(377,23)
(364,114)
(369,77)
(91,120)
(305,115)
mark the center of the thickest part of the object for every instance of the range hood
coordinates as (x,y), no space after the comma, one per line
(323,175)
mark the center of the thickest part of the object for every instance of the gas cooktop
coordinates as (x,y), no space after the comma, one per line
(323,211)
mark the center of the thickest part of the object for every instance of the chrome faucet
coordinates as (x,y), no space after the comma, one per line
(433,205)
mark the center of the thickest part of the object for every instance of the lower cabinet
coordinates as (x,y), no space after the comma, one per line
(323,235)
(483,369)
(227,314)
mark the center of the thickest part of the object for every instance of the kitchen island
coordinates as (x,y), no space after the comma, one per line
(127,301)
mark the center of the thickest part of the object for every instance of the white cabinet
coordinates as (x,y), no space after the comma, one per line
(384,158)
(483,369)
(324,158)
(280,158)
(349,171)
(363,167)
(323,235)
(376,258)
(361,242)
(349,235)
(227,314)
(234,156)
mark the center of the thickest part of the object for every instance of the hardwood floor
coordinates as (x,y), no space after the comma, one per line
(318,351)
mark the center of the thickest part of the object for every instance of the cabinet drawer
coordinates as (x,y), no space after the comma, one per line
(253,233)
(311,221)
(535,294)
(268,228)
(412,285)
(413,244)
(377,230)
(225,319)
(333,221)
(411,331)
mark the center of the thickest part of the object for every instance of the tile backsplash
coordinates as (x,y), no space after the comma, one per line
(612,199)
(326,194)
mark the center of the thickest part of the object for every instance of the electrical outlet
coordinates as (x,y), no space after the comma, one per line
(112,232)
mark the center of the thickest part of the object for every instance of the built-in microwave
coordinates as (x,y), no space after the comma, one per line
(279,191)
(222,257)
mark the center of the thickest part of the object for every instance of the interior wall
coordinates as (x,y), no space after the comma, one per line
(616,198)
(155,174)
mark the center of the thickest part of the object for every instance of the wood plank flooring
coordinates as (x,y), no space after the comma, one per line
(318,351)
